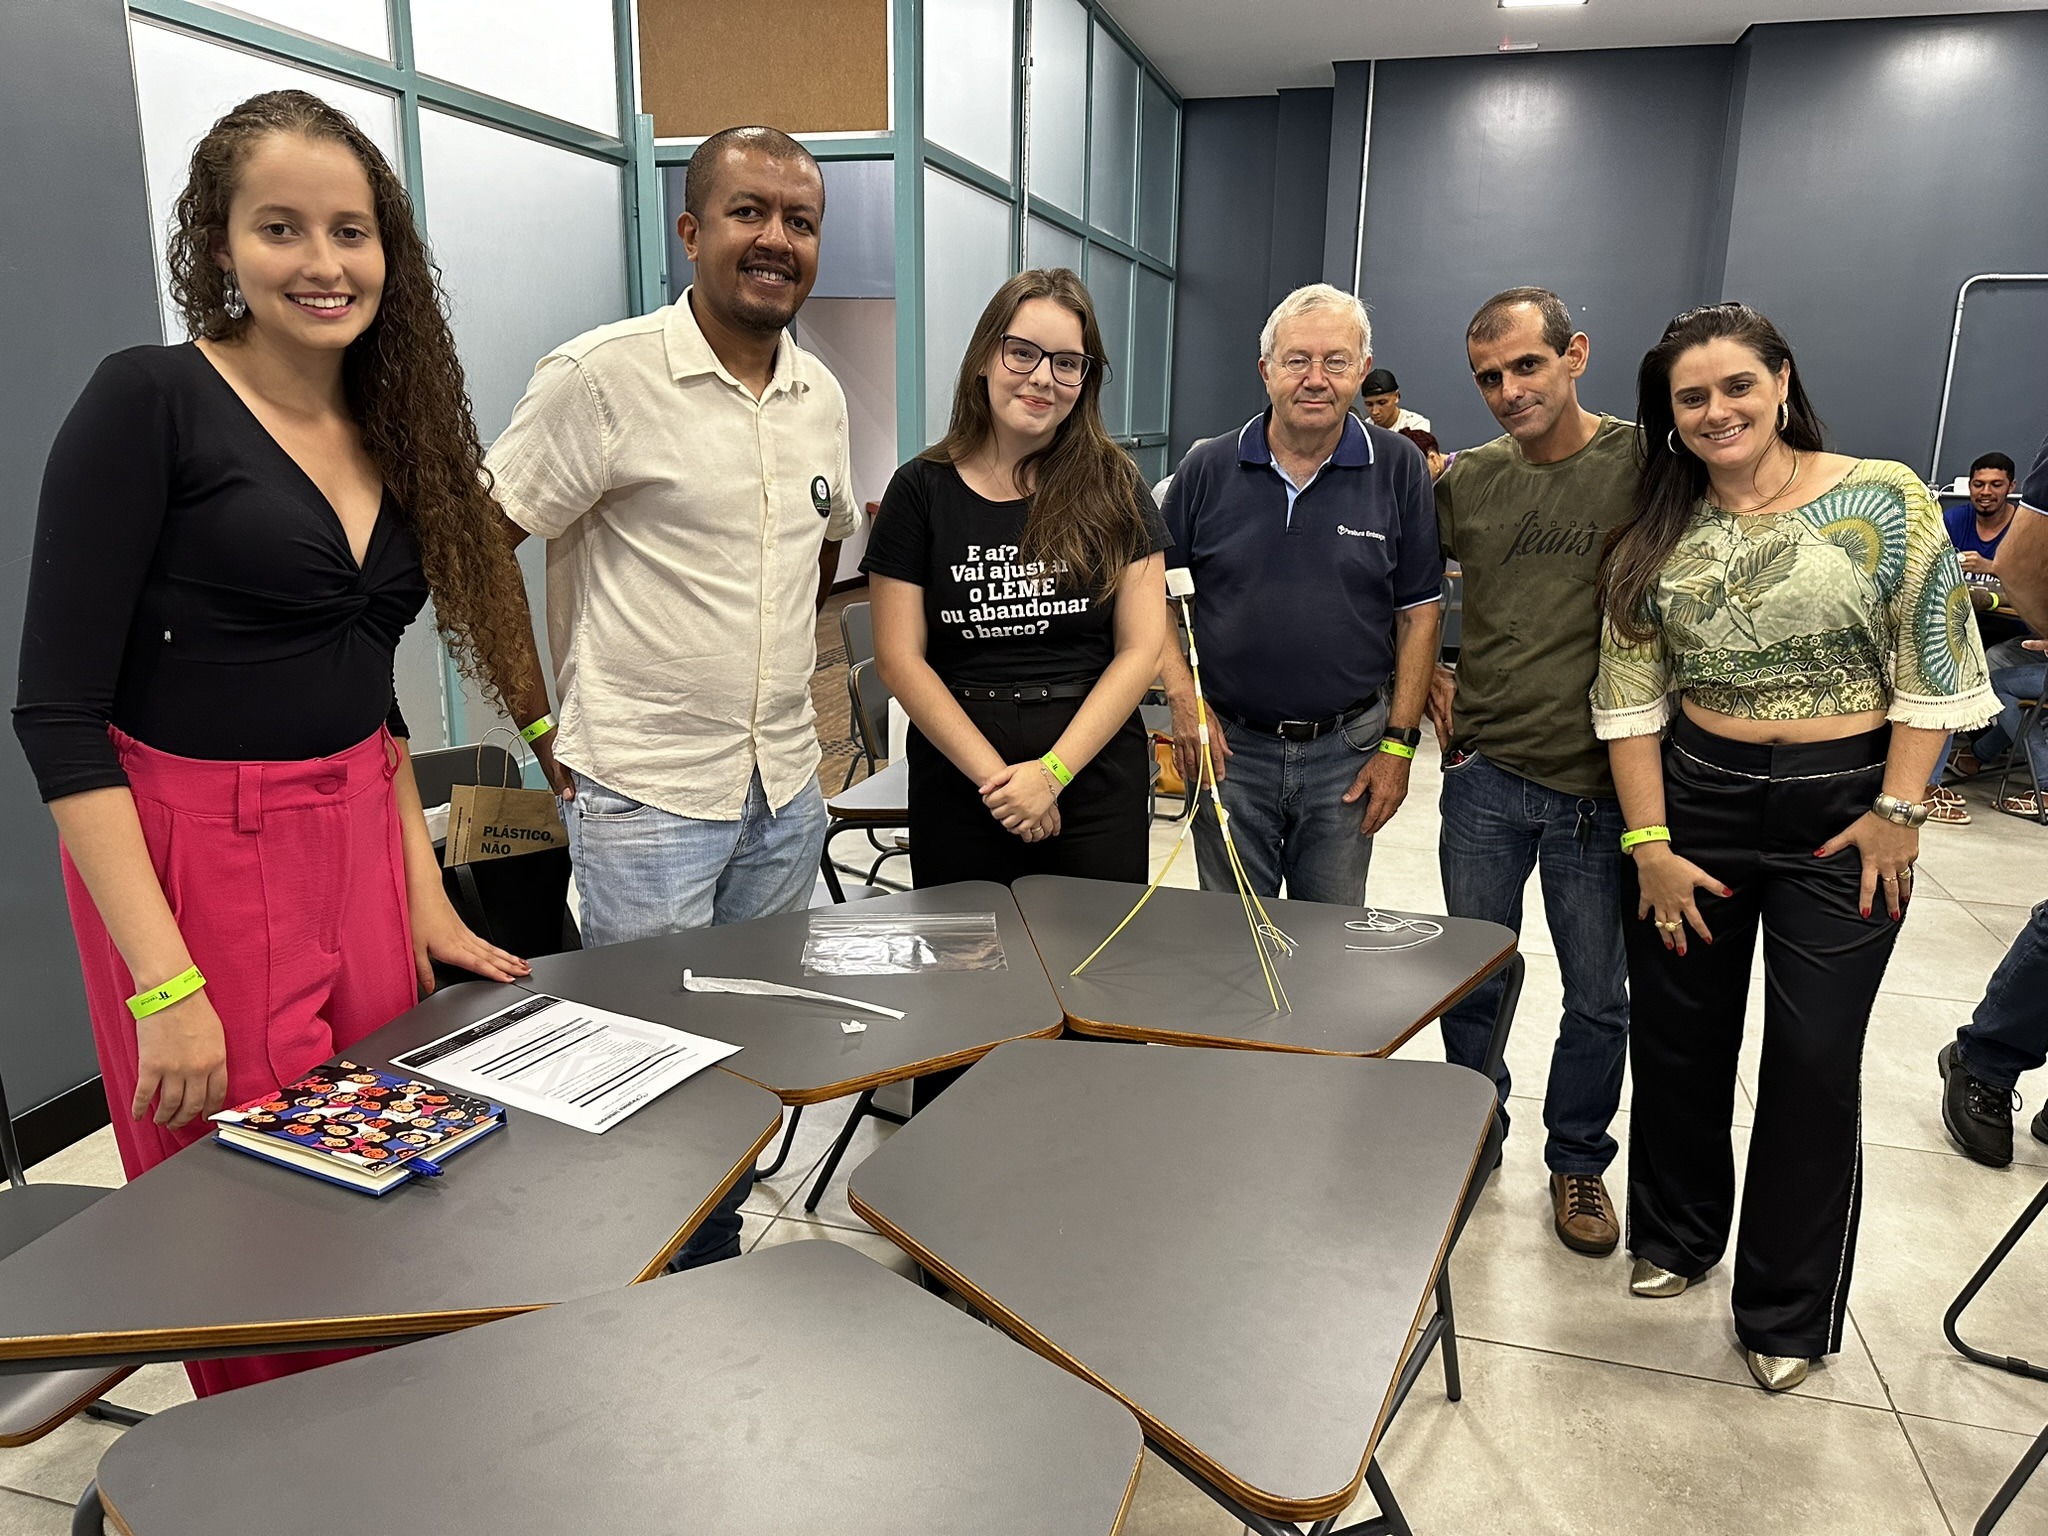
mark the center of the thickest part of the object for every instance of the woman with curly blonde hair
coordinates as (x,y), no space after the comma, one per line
(232,537)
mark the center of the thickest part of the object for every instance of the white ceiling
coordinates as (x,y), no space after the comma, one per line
(1250,47)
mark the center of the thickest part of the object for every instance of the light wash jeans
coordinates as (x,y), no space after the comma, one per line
(1288,816)
(641,872)
(1497,828)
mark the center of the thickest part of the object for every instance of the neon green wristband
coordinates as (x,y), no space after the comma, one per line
(176,990)
(1641,835)
(538,729)
(1053,765)
(1396,748)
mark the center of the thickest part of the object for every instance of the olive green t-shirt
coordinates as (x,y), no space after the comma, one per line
(1529,538)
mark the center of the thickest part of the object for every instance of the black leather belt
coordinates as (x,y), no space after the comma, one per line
(1297,730)
(1029,693)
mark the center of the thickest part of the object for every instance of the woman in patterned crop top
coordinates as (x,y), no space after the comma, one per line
(1798,621)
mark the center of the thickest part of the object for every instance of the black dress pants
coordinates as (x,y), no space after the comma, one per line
(1752,816)
(1105,831)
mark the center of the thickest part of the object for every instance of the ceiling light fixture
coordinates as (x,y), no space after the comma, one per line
(1519,5)
(1519,47)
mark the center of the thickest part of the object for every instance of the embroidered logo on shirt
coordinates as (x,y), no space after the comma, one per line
(821,495)
(1361,533)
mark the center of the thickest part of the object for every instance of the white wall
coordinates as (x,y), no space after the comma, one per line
(856,338)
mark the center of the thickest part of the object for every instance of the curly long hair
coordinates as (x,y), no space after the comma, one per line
(401,378)
(1086,494)
(1673,479)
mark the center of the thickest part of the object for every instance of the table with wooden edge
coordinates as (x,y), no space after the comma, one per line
(1240,1246)
(1185,973)
(801,1388)
(795,1048)
(882,799)
(215,1253)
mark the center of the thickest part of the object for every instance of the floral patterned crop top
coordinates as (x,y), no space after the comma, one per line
(1852,602)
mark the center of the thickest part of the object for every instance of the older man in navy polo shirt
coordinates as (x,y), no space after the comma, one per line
(1318,579)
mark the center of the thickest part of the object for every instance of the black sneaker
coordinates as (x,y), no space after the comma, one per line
(2040,1125)
(1977,1115)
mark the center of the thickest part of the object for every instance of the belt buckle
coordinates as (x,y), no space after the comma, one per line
(1299,730)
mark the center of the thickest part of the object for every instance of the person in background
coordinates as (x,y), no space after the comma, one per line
(2007,1035)
(1020,611)
(1432,451)
(1799,621)
(685,467)
(1977,527)
(233,535)
(1318,591)
(1526,783)
(1380,395)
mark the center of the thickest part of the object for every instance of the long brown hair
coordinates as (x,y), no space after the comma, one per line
(1674,479)
(1085,508)
(401,377)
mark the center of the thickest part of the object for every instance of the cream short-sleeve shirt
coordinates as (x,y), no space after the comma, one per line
(684,520)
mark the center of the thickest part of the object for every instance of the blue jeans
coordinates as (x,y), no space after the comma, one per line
(2011,684)
(1497,828)
(641,872)
(2008,1034)
(1288,817)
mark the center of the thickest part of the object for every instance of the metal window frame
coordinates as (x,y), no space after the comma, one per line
(400,77)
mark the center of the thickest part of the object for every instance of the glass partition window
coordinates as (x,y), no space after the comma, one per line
(1159,171)
(969,104)
(1047,245)
(357,24)
(1109,285)
(1058,71)
(1113,138)
(552,56)
(1151,349)
(184,84)
(966,259)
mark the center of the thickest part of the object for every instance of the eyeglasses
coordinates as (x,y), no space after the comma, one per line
(1335,366)
(1021,356)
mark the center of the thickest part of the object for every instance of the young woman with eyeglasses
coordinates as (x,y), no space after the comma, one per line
(1020,608)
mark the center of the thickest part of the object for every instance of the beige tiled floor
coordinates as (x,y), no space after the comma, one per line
(1586,1412)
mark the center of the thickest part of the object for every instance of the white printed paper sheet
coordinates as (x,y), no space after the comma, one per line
(580,1065)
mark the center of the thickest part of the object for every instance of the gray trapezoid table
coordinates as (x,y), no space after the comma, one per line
(1185,973)
(215,1253)
(804,1388)
(1241,1246)
(795,1048)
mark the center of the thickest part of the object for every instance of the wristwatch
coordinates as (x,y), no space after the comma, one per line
(1903,813)
(1408,735)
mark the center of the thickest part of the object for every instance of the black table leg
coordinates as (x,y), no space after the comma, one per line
(2010,1488)
(114,1413)
(89,1517)
(1985,1271)
(863,1109)
(788,1136)
(832,885)
(1504,1019)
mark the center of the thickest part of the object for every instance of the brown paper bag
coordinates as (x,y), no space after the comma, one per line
(490,821)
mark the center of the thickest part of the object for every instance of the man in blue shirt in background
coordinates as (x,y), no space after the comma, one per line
(1977,528)
(1312,539)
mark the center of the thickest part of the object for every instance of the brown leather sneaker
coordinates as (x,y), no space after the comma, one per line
(1583,1214)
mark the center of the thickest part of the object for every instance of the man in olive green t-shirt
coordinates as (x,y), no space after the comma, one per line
(1526,784)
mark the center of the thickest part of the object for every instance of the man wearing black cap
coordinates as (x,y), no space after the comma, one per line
(1380,393)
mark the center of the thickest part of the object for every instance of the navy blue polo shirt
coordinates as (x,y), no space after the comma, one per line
(1296,591)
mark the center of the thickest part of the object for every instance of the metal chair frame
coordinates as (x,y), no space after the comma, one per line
(2017,1365)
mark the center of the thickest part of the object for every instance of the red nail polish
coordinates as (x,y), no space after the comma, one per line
(1866,911)
(1820,853)
(1705,940)
(1726,891)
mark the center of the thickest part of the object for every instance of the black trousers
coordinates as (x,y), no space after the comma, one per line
(1105,831)
(1752,816)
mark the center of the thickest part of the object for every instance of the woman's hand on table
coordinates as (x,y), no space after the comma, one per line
(181,1062)
(1670,887)
(439,933)
(1888,851)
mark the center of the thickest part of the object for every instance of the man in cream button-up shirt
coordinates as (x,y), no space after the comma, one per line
(685,467)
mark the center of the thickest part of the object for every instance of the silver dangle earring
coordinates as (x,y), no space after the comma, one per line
(1784,415)
(231,299)
(1671,442)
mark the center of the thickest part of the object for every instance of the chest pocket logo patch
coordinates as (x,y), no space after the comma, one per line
(821,495)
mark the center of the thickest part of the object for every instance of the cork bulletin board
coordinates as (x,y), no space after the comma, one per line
(804,66)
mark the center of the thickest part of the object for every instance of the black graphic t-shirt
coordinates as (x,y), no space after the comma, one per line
(992,620)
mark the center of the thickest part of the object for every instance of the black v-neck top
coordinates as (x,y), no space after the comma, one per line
(193,587)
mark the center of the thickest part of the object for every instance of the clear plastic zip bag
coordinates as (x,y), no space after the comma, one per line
(844,943)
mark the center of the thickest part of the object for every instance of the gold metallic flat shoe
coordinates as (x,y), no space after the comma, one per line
(1776,1373)
(1647,1279)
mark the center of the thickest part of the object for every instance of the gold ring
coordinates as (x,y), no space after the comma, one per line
(1889,879)
(1671,927)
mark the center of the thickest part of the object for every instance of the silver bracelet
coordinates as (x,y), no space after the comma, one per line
(1904,813)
